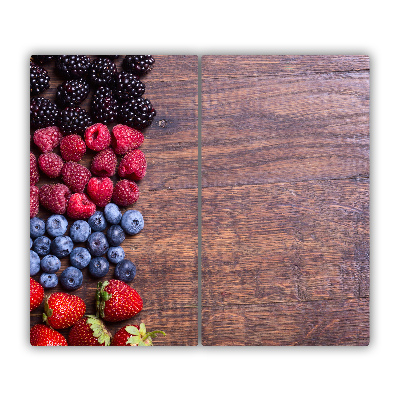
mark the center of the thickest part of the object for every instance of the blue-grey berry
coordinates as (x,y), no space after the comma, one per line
(115,254)
(80,257)
(98,267)
(56,225)
(37,227)
(48,281)
(115,235)
(80,231)
(41,245)
(35,263)
(50,264)
(97,244)
(112,213)
(97,221)
(61,246)
(125,271)
(71,278)
(132,222)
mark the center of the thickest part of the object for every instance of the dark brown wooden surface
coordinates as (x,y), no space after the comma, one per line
(285,200)
(165,252)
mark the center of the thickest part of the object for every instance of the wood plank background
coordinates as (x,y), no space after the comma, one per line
(165,252)
(285,200)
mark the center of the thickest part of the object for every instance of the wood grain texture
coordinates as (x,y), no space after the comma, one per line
(165,252)
(285,200)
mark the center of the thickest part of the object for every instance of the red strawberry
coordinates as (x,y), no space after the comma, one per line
(72,148)
(42,335)
(75,176)
(133,165)
(62,310)
(125,193)
(80,207)
(54,197)
(125,138)
(34,170)
(37,294)
(104,163)
(100,190)
(89,331)
(134,335)
(97,137)
(47,139)
(117,301)
(34,201)
(51,164)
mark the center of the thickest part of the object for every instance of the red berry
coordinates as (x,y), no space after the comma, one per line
(104,163)
(134,335)
(34,178)
(34,201)
(97,137)
(80,207)
(125,138)
(42,335)
(72,148)
(75,176)
(133,165)
(125,193)
(89,331)
(47,139)
(50,164)
(100,190)
(36,295)
(54,197)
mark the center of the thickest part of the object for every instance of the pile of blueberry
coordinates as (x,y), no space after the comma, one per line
(94,243)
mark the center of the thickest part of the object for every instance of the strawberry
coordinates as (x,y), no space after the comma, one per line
(47,139)
(34,178)
(97,137)
(72,148)
(62,310)
(125,193)
(75,176)
(89,331)
(37,294)
(54,197)
(117,301)
(34,201)
(42,335)
(125,139)
(133,165)
(100,190)
(134,335)
(51,164)
(80,207)
(104,163)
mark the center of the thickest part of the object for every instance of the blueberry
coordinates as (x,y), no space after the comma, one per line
(35,263)
(80,231)
(56,225)
(115,235)
(98,267)
(97,222)
(71,278)
(80,257)
(37,227)
(41,245)
(31,242)
(50,264)
(97,244)
(125,270)
(48,280)
(112,213)
(132,222)
(115,254)
(61,246)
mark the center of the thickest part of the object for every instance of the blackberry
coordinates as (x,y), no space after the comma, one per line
(43,112)
(73,120)
(128,86)
(42,59)
(104,107)
(137,113)
(72,93)
(72,67)
(40,79)
(138,65)
(110,57)
(102,72)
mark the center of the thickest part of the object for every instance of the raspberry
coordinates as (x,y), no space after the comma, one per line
(100,190)
(133,165)
(72,148)
(104,163)
(75,176)
(50,164)
(54,197)
(80,207)
(34,200)
(47,139)
(125,193)
(34,178)
(97,137)
(125,138)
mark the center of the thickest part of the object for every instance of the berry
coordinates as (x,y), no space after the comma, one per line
(125,139)
(72,93)
(41,245)
(102,72)
(62,310)
(34,172)
(80,257)
(48,281)
(50,164)
(43,113)
(136,113)
(80,231)
(73,120)
(42,59)
(125,270)
(104,163)
(100,190)
(54,197)
(104,106)
(31,242)
(132,222)
(72,67)
(125,193)
(33,201)
(37,227)
(97,222)
(138,65)
(80,207)
(34,263)
(71,278)
(134,335)
(50,264)
(99,267)
(128,86)
(36,294)
(115,235)
(39,79)
(133,165)
(61,246)
(56,225)
(115,254)
(75,176)
(89,331)
(112,213)
(117,301)
(42,335)
(97,137)
(72,148)
(47,139)
(97,244)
